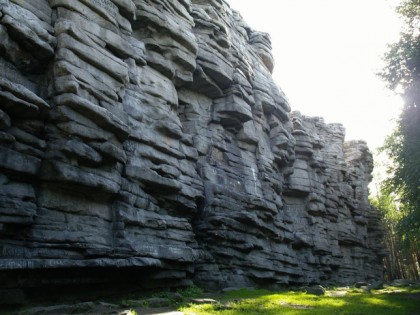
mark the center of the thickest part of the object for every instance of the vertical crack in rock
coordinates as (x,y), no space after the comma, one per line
(148,136)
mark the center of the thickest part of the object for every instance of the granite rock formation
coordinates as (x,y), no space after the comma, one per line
(147,137)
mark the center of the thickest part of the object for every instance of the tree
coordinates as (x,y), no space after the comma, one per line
(402,59)
(402,74)
(401,261)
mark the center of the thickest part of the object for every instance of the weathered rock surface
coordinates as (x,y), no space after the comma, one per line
(149,136)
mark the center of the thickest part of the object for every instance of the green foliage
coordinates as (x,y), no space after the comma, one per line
(401,242)
(399,198)
(292,303)
(387,203)
(402,74)
(132,312)
(402,59)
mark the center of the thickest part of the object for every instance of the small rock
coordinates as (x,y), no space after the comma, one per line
(203,301)
(316,290)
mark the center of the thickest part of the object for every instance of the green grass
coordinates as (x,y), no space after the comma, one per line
(390,301)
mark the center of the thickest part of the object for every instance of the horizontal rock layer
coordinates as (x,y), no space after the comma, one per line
(149,135)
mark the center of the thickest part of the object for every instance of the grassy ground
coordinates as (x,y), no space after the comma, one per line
(338,301)
(389,301)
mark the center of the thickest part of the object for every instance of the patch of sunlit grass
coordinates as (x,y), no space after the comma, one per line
(244,302)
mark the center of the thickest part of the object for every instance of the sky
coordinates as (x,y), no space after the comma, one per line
(327,54)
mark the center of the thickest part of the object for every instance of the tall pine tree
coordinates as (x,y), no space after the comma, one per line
(402,74)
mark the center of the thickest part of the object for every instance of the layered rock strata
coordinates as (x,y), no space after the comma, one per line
(148,136)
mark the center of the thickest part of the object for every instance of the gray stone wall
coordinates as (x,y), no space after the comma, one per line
(150,135)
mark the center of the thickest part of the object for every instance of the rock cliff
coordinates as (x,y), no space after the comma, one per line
(147,138)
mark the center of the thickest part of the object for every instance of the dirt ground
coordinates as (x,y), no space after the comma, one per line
(91,308)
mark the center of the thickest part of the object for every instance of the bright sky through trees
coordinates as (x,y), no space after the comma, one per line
(327,53)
